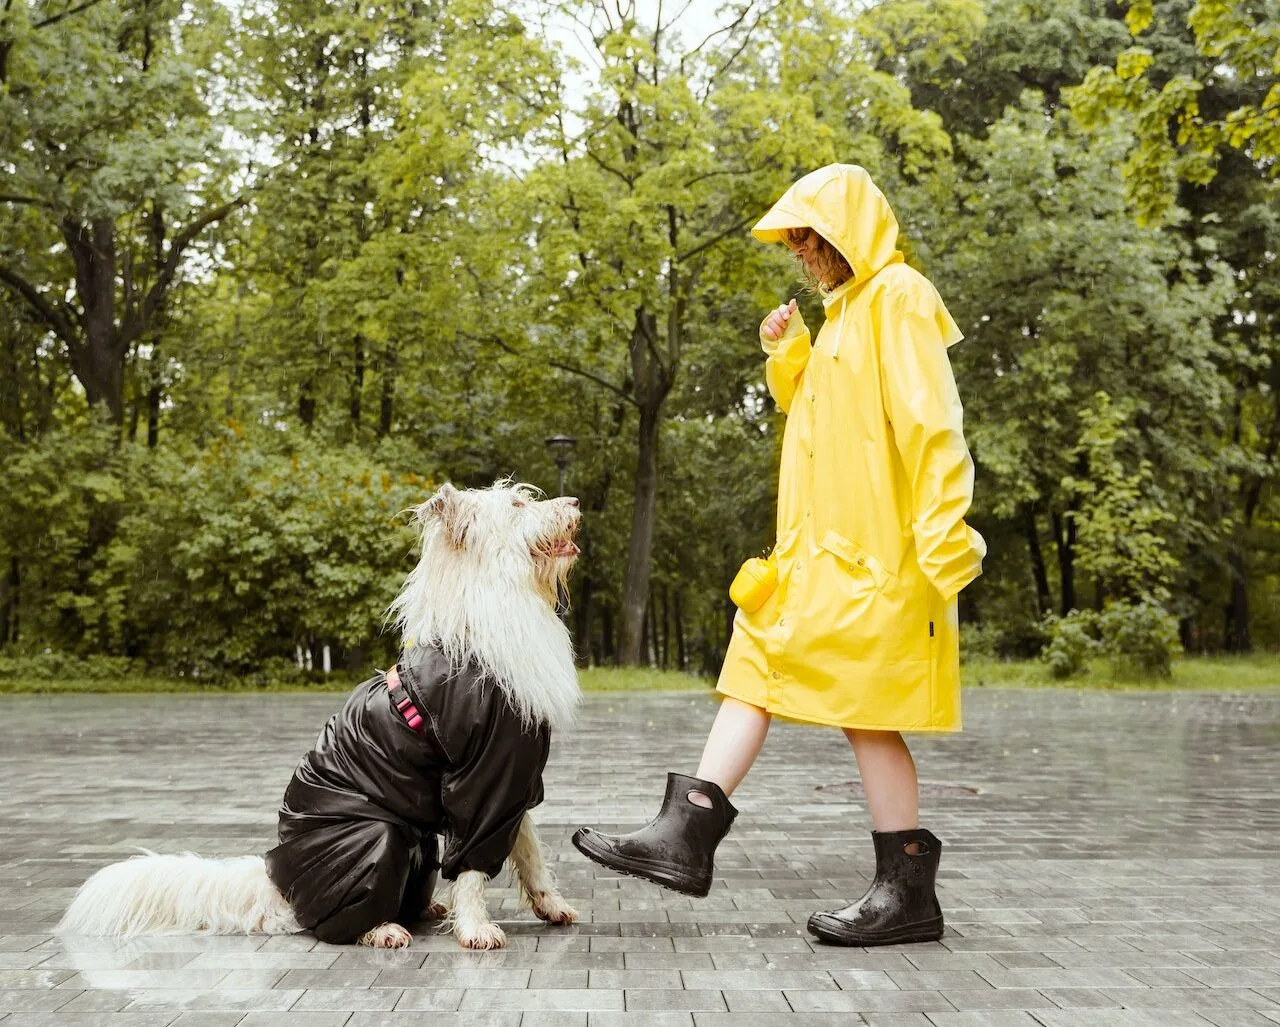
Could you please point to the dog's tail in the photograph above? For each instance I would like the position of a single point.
(184, 894)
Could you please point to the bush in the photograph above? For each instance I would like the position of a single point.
(214, 562)
(1139, 638)
(979, 640)
(996, 638)
(1071, 642)
(238, 555)
(1020, 639)
(50, 665)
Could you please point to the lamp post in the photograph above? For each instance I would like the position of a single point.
(561, 448)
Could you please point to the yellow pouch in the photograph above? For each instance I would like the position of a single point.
(754, 583)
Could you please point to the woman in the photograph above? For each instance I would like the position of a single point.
(860, 632)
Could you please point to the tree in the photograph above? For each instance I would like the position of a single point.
(664, 163)
(1187, 113)
(1200, 86)
(1062, 298)
(113, 171)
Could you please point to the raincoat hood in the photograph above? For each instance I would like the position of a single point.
(843, 205)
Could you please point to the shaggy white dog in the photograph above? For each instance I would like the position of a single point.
(481, 605)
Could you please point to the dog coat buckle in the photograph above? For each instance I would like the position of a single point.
(403, 701)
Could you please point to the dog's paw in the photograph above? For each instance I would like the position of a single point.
(386, 936)
(551, 907)
(435, 911)
(482, 936)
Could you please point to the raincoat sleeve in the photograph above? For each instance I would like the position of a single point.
(487, 792)
(924, 411)
(786, 360)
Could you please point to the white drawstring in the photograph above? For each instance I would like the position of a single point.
(835, 347)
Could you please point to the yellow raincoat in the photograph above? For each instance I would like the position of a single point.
(872, 546)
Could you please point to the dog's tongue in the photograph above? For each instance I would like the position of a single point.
(566, 548)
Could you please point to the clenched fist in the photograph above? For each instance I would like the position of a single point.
(776, 323)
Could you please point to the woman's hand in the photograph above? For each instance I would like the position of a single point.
(776, 323)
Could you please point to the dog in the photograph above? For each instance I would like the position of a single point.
(450, 742)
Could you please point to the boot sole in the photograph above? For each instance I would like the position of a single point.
(907, 934)
(661, 874)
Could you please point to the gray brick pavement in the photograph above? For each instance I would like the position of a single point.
(1116, 864)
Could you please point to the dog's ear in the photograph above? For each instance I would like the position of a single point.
(453, 510)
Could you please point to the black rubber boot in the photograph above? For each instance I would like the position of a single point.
(677, 848)
(901, 905)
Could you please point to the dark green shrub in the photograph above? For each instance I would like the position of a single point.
(1139, 638)
(1072, 641)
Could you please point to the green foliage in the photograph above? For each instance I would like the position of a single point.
(1186, 116)
(1139, 638)
(218, 560)
(64, 493)
(58, 665)
(1191, 673)
(439, 238)
(252, 549)
(1072, 641)
(978, 641)
(113, 167)
(1125, 518)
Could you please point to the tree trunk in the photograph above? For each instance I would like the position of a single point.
(154, 394)
(682, 660)
(385, 406)
(97, 345)
(307, 404)
(582, 617)
(635, 588)
(357, 381)
(10, 594)
(609, 651)
(153, 416)
(1064, 531)
(644, 639)
(99, 362)
(11, 389)
(1187, 634)
(666, 628)
(1038, 572)
(1236, 637)
(237, 347)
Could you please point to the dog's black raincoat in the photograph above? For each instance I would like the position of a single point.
(359, 818)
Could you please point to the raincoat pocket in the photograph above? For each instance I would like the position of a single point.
(856, 559)
(754, 583)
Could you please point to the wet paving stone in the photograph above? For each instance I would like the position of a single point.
(1110, 858)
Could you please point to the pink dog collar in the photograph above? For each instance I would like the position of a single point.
(402, 701)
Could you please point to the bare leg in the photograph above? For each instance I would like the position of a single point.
(888, 777)
(732, 746)
(676, 849)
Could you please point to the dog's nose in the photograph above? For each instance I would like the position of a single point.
(572, 501)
